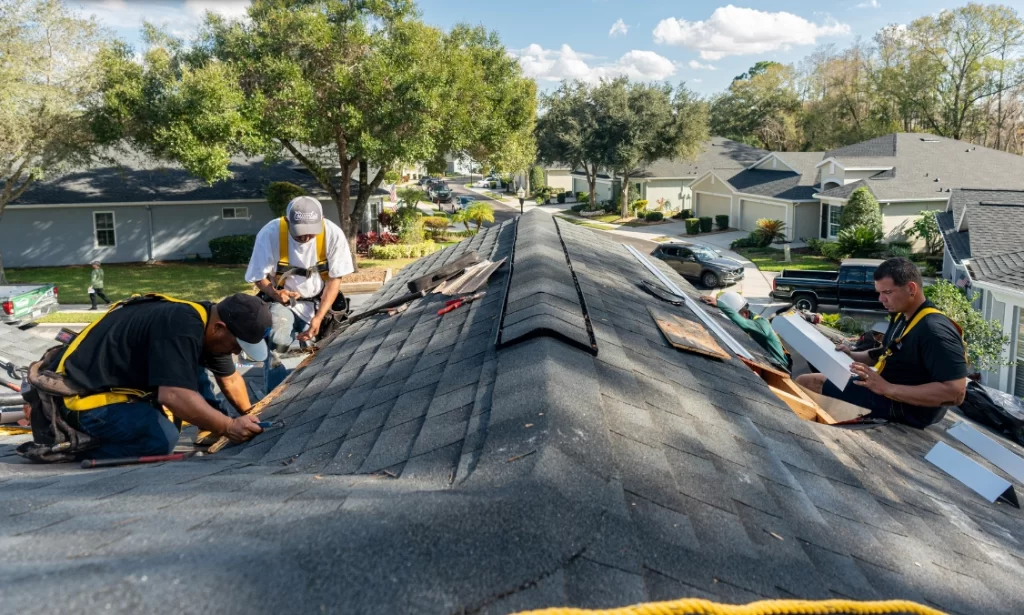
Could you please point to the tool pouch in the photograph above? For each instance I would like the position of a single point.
(334, 319)
(53, 439)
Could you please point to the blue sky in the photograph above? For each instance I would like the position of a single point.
(704, 43)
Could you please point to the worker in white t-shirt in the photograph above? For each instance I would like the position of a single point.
(301, 280)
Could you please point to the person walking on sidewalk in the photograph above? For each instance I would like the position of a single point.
(96, 285)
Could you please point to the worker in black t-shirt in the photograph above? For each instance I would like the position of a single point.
(151, 355)
(921, 365)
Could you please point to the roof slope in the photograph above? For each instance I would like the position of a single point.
(784, 185)
(422, 469)
(928, 167)
(136, 178)
(717, 153)
(958, 242)
(1003, 269)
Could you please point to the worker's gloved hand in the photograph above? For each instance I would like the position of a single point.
(312, 331)
(243, 428)
(843, 348)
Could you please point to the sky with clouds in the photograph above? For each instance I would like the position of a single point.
(702, 43)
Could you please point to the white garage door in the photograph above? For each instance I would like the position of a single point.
(752, 211)
(711, 205)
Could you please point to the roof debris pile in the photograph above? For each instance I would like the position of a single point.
(423, 469)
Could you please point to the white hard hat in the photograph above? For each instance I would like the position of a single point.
(732, 300)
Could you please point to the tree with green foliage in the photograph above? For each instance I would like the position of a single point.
(642, 123)
(761, 107)
(537, 181)
(478, 212)
(862, 209)
(342, 87)
(410, 196)
(926, 228)
(568, 133)
(984, 338)
(279, 194)
(48, 73)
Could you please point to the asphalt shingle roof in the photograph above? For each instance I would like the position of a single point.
(717, 153)
(1003, 269)
(422, 469)
(781, 184)
(135, 178)
(844, 191)
(929, 167)
(958, 242)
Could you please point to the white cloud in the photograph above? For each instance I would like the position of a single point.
(619, 28)
(869, 4)
(733, 31)
(694, 64)
(566, 63)
(697, 80)
(180, 18)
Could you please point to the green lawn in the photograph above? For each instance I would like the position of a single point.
(568, 213)
(587, 223)
(71, 317)
(768, 259)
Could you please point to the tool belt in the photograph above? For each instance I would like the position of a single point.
(53, 439)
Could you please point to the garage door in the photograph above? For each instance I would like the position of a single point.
(580, 185)
(712, 205)
(752, 211)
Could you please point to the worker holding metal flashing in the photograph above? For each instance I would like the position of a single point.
(921, 366)
(297, 264)
(125, 384)
(737, 309)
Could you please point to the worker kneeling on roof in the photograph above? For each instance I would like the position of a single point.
(921, 365)
(736, 308)
(297, 263)
(124, 385)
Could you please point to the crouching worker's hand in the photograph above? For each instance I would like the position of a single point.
(243, 428)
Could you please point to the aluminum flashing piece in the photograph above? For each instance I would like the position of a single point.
(997, 454)
(817, 349)
(980, 479)
(729, 340)
(543, 298)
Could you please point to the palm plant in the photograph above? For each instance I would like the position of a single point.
(479, 212)
(411, 196)
(460, 217)
(770, 230)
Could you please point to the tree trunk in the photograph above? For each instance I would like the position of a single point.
(592, 182)
(625, 197)
(345, 210)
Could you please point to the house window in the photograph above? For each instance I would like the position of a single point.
(834, 211)
(103, 229)
(235, 213)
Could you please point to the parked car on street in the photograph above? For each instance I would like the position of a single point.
(700, 262)
(851, 287)
(426, 180)
(21, 304)
(439, 192)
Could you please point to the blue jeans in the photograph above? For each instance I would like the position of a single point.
(135, 429)
(285, 326)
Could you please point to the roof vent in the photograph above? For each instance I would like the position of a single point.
(929, 139)
(936, 179)
(543, 298)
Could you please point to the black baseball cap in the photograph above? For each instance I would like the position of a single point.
(248, 319)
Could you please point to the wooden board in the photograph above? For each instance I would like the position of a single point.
(686, 334)
(835, 410)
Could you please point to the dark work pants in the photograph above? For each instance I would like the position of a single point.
(94, 293)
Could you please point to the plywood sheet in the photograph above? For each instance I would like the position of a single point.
(686, 334)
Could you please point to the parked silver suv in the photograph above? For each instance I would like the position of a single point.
(700, 262)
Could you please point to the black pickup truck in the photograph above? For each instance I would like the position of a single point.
(851, 288)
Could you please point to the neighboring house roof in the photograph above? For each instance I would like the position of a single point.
(414, 452)
(957, 242)
(1002, 269)
(928, 167)
(784, 185)
(139, 179)
(717, 153)
(844, 192)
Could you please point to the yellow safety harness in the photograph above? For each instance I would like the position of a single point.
(284, 260)
(698, 606)
(83, 403)
(880, 365)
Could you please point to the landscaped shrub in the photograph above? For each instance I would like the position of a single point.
(832, 251)
(436, 223)
(610, 207)
(722, 221)
(897, 250)
(582, 197)
(705, 224)
(386, 219)
(279, 194)
(692, 226)
(404, 250)
(814, 245)
(537, 178)
(845, 324)
(578, 207)
(752, 240)
(561, 198)
(654, 216)
(412, 233)
(365, 240)
(770, 230)
(861, 209)
(232, 249)
(638, 207)
(860, 241)
(686, 214)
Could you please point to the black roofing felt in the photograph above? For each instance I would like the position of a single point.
(421, 469)
(777, 184)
